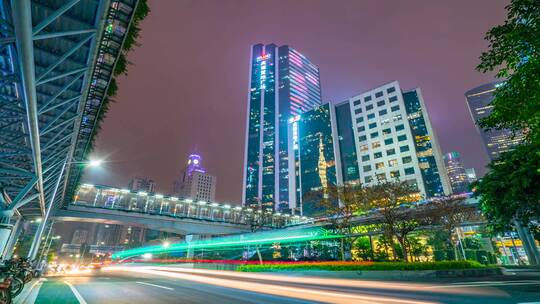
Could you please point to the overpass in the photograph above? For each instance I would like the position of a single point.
(57, 62)
(103, 204)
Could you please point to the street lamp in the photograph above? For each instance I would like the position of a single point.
(37, 239)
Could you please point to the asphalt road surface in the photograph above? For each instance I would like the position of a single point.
(161, 284)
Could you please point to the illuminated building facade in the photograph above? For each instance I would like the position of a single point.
(457, 174)
(194, 183)
(495, 141)
(283, 84)
(317, 165)
(347, 147)
(395, 141)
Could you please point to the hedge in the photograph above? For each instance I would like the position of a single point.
(357, 266)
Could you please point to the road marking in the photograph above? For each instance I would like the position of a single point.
(76, 293)
(158, 286)
(486, 284)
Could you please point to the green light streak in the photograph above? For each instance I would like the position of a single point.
(257, 238)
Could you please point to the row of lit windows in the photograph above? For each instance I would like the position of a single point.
(386, 131)
(393, 174)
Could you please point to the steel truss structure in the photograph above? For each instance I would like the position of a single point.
(56, 63)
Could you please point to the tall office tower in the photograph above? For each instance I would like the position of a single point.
(495, 141)
(195, 183)
(395, 140)
(316, 163)
(142, 184)
(456, 173)
(347, 147)
(471, 175)
(283, 83)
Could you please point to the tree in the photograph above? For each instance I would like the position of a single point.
(449, 213)
(256, 221)
(511, 189)
(514, 54)
(390, 200)
(340, 204)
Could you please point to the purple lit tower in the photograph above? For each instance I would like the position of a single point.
(195, 183)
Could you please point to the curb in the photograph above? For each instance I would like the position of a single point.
(29, 291)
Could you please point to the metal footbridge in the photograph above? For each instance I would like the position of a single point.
(57, 59)
(103, 204)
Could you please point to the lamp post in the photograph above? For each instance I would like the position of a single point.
(39, 233)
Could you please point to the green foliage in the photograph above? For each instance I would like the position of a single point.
(514, 54)
(511, 188)
(361, 266)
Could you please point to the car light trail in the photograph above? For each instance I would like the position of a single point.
(310, 294)
(258, 238)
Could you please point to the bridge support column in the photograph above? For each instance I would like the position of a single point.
(189, 239)
(5, 233)
(15, 231)
(528, 243)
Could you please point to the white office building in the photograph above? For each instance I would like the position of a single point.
(394, 140)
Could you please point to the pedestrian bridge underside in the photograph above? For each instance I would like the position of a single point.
(102, 204)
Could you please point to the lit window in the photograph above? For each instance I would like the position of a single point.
(379, 165)
(394, 174)
(364, 147)
(392, 163)
(376, 144)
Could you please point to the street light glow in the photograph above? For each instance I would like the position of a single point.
(95, 163)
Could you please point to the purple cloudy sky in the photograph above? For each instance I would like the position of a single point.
(187, 88)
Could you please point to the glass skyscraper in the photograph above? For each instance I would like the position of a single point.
(317, 165)
(283, 84)
(347, 147)
(425, 142)
(495, 141)
(459, 180)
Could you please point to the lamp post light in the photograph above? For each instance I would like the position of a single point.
(37, 238)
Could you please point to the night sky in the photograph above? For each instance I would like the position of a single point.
(187, 88)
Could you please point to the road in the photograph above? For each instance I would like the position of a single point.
(161, 284)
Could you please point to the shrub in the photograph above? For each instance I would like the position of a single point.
(358, 266)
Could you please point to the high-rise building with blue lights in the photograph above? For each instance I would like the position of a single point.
(316, 162)
(283, 84)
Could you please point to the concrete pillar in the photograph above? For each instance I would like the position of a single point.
(189, 239)
(528, 243)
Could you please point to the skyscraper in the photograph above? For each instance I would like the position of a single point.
(194, 182)
(456, 173)
(283, 83)
(316, 163)
(471, 175)
(395, 140)
(495, 141)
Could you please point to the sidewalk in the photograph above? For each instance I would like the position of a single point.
(46, 291)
